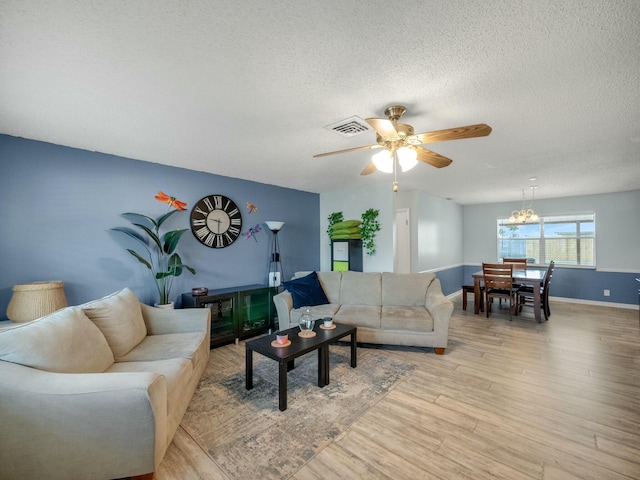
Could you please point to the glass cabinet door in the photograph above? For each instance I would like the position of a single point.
(222, 328)
(254, 311)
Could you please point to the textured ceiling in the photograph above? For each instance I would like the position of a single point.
(245, 88)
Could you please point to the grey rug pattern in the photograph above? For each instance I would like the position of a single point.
(246, 435)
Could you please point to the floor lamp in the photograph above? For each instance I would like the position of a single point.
(275, 263)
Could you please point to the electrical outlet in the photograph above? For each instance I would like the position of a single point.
(607, 292)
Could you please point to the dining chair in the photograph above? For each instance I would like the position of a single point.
(518, 263)
(498, 283)
(469, 289)
(525, 293)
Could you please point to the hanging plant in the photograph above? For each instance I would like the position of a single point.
(334, 218)
(369, 228)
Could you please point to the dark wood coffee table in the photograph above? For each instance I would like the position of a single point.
(299, 346)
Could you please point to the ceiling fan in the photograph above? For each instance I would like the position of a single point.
(401, 145)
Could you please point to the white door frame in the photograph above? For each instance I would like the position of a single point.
(402, 243)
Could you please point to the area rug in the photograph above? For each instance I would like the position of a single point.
(248, 437)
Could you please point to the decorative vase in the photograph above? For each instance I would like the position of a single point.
(306, 323)
(168, 306)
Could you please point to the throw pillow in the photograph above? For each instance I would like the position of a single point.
(345, 224)
(306, 291)
(64, 342)
(119, 318)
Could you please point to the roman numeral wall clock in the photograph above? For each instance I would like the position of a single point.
(216, 221)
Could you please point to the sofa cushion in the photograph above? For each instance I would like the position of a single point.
(359, 315)
(345, 224)
(407, 318)
(306, 291)
(359, 288)
(330, 282)
(119, 318)
(64, 342)
(405, 288)
(317, 312)
(167, 346)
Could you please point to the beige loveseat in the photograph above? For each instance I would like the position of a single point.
(97, 391)
(387, 308)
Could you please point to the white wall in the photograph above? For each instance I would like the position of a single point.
(440, 232)
(436, 226)
(353, 203)
(445, 234)
(436, 230)
(617, 227)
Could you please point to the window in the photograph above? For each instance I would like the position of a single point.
(566, 239)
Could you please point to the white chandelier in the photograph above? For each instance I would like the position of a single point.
(525, 215)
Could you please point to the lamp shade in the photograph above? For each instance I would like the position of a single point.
(408, 158)
(34, 300)
(383, 161)
(273, 225)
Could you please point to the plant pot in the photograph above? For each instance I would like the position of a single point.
(169, 306)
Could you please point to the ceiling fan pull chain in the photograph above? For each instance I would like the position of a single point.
(395, 171)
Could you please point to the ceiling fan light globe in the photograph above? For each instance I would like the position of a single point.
(383, 161)
(408, 158)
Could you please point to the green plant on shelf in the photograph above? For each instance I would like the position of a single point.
(369, 227)
(335, 217)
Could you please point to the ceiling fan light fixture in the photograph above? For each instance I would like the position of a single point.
(383, 161)
(408, 158)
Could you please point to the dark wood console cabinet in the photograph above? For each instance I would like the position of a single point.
(236, 312)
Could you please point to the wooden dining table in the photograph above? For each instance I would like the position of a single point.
(524, 277)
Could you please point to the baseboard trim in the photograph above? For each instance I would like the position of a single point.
(629, 306)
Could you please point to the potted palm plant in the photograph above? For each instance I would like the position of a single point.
(160, 256)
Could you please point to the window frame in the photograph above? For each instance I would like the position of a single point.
(568, 218)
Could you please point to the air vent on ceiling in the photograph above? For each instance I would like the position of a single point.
(350, 127)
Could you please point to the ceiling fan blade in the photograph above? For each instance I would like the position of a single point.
(383, 127)
(369, 169)
(432, 158)
(354, 149)
(458, 133)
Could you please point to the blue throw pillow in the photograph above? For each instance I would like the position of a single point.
(306, 291)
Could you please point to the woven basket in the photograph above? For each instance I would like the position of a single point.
(35, 300)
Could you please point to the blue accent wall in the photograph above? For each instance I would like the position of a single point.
(451, 279)
(60, 202)
(589, 284)
(583, 284)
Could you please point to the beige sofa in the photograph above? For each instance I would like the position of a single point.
(97, 391)
(387, 308)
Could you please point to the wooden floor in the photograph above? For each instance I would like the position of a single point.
(511, 400)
